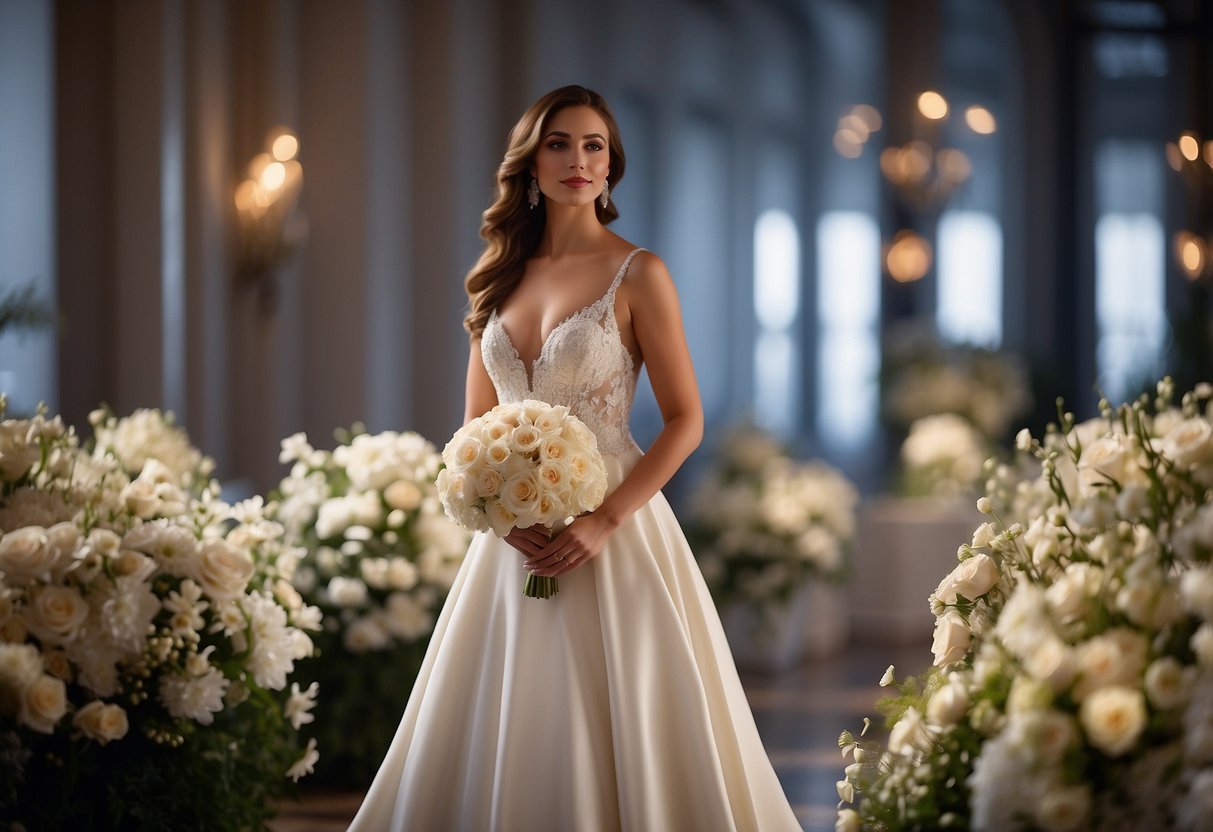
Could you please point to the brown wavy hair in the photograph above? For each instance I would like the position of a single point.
(510, 227)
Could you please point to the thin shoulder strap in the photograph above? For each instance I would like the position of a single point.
(623, 269)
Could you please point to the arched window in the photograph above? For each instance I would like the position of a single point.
(969, 302)
(776, 307)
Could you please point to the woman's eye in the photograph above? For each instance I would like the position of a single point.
(557, 145)
(594, 146)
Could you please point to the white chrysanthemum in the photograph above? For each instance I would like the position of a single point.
(149, 434)
(174, 547)
(39, 507)
(273, 649)
(194, 697)
(306, 764)
(186, 607)
(127, 612)
(299, 704)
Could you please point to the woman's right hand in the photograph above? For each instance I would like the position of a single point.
(528, 541)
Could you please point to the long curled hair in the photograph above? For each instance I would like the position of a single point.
(510, 227)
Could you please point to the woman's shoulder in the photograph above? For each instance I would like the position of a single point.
(645, 269)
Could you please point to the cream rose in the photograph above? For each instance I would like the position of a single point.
(951, 639)
(404, 495)
(1113, 718)
(463, 453)
(101, 721)
(488, 481)
(551, 421)
(57, 613)
(909, 734)
(972, 578)
(222, 571)
(501, 518)
(948, 705)
(44, 703)
(25, 554)
(1116, 657)
(1168, 683)
(1105, 459)
(1196, 592)
(525, 438)
(1190, 443)
(497, 430)
(520, 494)
(498, 453)
(1064, 808)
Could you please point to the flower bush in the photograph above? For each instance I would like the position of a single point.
(762, 523)
(381, 556)
(923, 375)
(1072, 685)
(943, 456)
(148, 631)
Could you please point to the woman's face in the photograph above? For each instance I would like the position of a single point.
(572, 161)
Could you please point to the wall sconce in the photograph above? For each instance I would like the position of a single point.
(270, 230)
(1194, 162)
(923, 173)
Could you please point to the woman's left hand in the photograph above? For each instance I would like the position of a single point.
(580, 541)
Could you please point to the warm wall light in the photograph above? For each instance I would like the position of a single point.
(1194, 160)
(908, 257)
(933, 105)
(266, 201)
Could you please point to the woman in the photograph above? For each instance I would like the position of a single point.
(616, 704)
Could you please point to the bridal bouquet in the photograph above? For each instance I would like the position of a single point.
(148, 632)
(522, 464)
(1072, 685)
(381, 556)
(762, 523)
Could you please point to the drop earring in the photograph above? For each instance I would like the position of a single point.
(606, 193)
(532, 194)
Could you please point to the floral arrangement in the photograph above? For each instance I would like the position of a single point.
(1072, 685)
(762, 523)
(520, 465)
(381, 556)
(148, 631)
(923, 375)
(943, 456)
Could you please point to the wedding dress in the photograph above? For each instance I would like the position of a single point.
(614, 705)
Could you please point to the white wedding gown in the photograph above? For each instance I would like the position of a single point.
(614, 705)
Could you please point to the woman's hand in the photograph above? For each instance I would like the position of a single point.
(580, 541)
(528, 541)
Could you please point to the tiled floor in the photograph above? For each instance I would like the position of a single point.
(799, 713)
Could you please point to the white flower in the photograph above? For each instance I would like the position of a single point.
(298, 708)
(1189, 443)
(346, 592)
(520, 495)
(405, 618)
(950, 703)
(295, 447)
(20, 667)
(1113, 718)
(1116, 657)
(1107, 459)
(984, 505)
(1168, 683)
(524, 439)
(1196, 592)
(102, 721)
(1052, 660)
(888, 678)
(1064, 808)
(909, 734)
(275, 644)
(401, 574)
(57, 613)
(1196, 807)
(194, 697)
(972, 578)
(222, 570)
(1202, 645)
(26, 554)
(365, 634)
(43, 704)
(129, 607)
(951, 639)
(306, 764)
(848, 821)
(403, 494)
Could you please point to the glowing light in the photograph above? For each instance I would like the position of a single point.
(245, 196)
(847, 145)
(273, 176)
(908, 257)
(257, 167)
(890, 163)
(1189, 147)
(1191, 252)
(916, 161)
(980, 120)
(285, 147)
(1209, 153)
(856, 125)
(933, 105)
(1173, 158)
(870, 116)
(953, 165)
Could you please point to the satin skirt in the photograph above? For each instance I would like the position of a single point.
(614, 705)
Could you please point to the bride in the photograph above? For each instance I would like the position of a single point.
(616, 704)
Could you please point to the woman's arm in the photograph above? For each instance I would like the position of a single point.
(657, 323)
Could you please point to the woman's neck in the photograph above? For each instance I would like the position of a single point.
(570, 230)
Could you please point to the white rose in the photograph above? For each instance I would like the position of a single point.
(43, 704)
(222, 571)
(951, 639)
(1116, 657)
(983, 534)
(463, 453)
(495, 430)
(488, 481)
(1068, 596)
(948, 705)
(498, 453)
(405, 618)
(1196, 592)
(848, 821)
(501, 518)
(1202, 645)
(57, 613)
(347, 592)
(401, 574)
(1168, 683)
(972, 578)
(552, 420)
(520, 494)
(1113, 718)
(1106, 459)
(403, 495)
(20, 667)
(554, 477)
(1052, 661)
(102, 721)
(909, 734)
(26, 554)
(1189, 444)
(64, 538)
(1047, 732)
(1064, 808)
(130, 563)
(525, 438)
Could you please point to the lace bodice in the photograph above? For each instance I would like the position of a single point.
(583, 365)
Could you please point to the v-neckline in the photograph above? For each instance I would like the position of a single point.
(529, 369)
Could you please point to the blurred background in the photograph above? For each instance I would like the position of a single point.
(1035, 208)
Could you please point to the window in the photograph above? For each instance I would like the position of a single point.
(969, 305)
(776, 306)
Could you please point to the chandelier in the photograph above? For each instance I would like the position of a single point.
(1194, 162)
